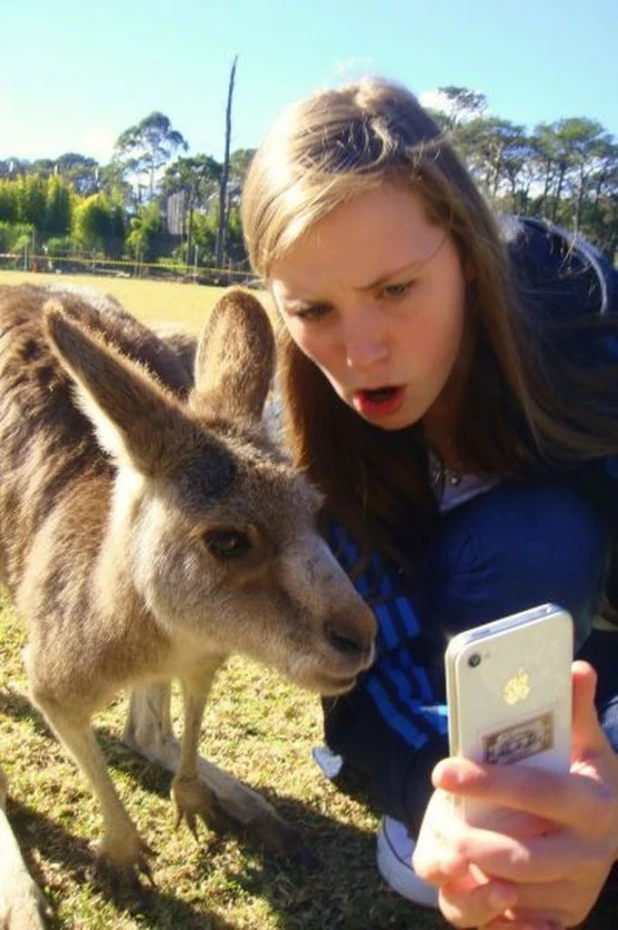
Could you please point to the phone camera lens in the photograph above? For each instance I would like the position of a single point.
(475, 660)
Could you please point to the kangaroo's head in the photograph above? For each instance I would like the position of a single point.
(215, 529)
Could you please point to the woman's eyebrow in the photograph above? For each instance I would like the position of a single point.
(298, 305)
(410, 267)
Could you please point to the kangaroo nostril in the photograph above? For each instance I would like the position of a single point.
(345, 641)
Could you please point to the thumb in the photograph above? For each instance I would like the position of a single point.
(588, 738)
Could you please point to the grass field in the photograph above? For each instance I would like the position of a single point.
(257, 727)
(153, 301)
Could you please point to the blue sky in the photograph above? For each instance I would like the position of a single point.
(74, 73)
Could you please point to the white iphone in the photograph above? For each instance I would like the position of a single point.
(509, 699)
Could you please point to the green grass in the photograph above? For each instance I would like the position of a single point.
(258, 728)
(152, 301)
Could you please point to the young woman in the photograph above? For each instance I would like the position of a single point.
(450, 386)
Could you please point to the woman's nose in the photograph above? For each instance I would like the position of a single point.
(365, 341)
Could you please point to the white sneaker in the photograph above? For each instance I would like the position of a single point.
(395, 848)
(330, 762)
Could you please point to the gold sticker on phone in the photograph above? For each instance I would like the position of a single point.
(517, 688)
(514, 743)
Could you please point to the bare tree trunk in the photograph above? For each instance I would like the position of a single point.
(546, 184)
(579, 199)
(221, 231)
(558, 194)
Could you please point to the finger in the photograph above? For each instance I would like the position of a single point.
(447, 845)
(553, 898)
(435, 858)
(440, 867)
(466, 904)
(569, 800)
(588, 737)
(538, 860)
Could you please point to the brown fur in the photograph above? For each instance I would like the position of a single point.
(151, 528)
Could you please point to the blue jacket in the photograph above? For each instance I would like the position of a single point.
(393, 725)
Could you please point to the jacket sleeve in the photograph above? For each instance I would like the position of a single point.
(565, 281)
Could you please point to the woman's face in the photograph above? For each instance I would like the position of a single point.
(374, 294)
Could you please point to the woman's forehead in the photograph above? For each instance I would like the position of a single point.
(373, 236)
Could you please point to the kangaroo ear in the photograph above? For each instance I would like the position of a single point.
(135, 418)
(235, 359)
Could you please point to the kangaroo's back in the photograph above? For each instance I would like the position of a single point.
(48, 446)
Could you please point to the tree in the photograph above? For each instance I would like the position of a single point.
(205, 236)
(9, 202)
(602, 219)
(240, 159)
(586, 142)
(568, 149)
(488, 144)
(80, 171)
(453, 106)
(145, 230)
(57, 219)
(226, 169)
(111, 179)
(197, 179)
(144, 149)
(520, 177)
(43, 167)
(11, 168)
(33, 197)
(93, 223)
(198, 175)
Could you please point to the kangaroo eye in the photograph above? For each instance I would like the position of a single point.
(226, 545)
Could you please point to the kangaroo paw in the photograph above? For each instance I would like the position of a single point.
(193, 799)
(120, 874)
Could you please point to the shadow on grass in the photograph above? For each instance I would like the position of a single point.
(16, 705)
(342, 892)
(157, 909)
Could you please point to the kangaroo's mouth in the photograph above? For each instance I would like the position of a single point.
(334, 686)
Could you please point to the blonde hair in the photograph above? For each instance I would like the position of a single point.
(336, 145)
(323, 151)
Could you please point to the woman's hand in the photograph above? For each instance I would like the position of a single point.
(547, 868)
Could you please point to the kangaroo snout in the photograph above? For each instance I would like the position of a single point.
(352, 636)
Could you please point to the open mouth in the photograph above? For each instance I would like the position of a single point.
(378, 401)
(380, 395)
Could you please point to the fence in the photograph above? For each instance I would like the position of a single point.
(124, 268)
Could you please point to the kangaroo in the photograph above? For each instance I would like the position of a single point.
(149, 527)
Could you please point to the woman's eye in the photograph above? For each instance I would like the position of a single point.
(313, 313)
(226, 545)
(396, 290)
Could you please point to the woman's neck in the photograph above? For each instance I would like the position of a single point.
(439, 428)
(444, 445)
(441, 420)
